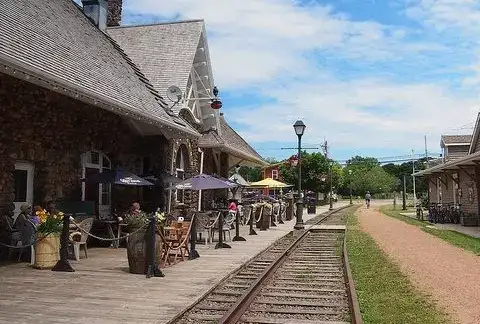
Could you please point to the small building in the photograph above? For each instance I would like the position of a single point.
(454, 181)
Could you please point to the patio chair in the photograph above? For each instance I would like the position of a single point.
(228, 225)
(21, 234)
(79, 238)
(204, 227)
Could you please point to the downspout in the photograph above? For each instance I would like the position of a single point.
(201, 171)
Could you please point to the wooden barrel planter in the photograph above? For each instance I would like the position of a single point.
(47, 251)
(137, 252)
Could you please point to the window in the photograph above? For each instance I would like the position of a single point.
(20, 178)
(96, 162)
(274, 174)
(180, 171)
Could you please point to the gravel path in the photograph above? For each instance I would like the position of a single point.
(447, 273)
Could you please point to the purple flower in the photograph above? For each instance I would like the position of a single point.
(36, 220)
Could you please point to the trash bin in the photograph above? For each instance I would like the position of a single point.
(311, 205)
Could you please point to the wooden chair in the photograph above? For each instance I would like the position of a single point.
(79, 238)
(176, 241)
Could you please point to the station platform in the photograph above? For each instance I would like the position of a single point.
(102, 291)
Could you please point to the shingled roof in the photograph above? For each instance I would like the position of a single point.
(54, 42)
(165, 52)
(229, 141)
(456, 139)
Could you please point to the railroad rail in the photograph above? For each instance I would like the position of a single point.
(303, 278)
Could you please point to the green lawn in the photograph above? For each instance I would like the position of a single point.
(385, 295)
(455, 238)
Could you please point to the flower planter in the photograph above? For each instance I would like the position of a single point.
(47, 251)
(137, 252)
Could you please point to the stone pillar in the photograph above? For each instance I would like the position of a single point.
(114, 13)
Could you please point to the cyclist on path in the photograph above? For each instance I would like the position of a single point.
(368, 197)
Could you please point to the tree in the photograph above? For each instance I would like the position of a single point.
(251, 174)
(365, 174)
(399, 170)
(315, 173)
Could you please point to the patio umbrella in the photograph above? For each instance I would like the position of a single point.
(269, 183)
(164, 178)
(237, 178)
(118, 177)
(203, 182)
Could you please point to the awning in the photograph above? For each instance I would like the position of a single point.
(466, 161)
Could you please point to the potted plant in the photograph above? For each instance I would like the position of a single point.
(137, 223)
(47, 246)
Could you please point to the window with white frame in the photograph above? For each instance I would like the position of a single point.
(180, 171)
(274, 174)
(96, 162)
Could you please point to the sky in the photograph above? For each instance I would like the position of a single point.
(372, 77)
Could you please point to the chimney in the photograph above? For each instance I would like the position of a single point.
(96, 11)
(114, 13)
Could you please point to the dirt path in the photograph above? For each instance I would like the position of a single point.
(447, 273)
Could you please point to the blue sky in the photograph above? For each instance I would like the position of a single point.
(371, 76)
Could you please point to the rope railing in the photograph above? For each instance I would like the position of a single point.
(109, 239)
(35, 240)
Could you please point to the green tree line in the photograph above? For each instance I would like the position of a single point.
(359, 174)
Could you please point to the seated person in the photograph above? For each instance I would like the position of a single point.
(232, 207)
(134, 210)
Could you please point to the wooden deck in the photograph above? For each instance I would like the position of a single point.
(102, 291)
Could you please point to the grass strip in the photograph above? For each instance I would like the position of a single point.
(385, 294)
(460, 240)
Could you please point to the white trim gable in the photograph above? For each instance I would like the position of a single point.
(199, 88)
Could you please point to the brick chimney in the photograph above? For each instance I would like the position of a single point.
(114, 13)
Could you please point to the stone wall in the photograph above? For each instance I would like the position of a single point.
(432, 185)
(52, 131)
(447, 190)
(469, 198)
(192, 166)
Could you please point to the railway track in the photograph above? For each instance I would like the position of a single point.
(301, 279)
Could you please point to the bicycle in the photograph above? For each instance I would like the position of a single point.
(367, 202)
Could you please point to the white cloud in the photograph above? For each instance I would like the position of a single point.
(253, 41)
(368, 113)
(273, 46)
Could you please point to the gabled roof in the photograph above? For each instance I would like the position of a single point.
(447, 140)
(230, 142)
(165, 52)
(475, 137)
(55, 45)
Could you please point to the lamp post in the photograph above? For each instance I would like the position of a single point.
(350, 174)
(299, 127)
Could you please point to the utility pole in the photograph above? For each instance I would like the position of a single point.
(426, 152)
(325, 147)
(404, 193)
(413, 178)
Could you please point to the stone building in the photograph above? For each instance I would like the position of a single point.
(74, 100)
(456, 179)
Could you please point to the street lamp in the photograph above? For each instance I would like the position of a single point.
(350, 176)
(299, 127)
